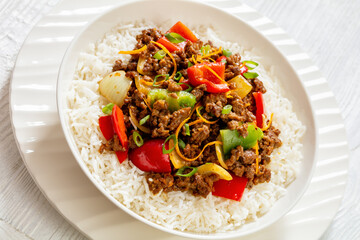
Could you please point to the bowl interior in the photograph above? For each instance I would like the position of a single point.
(232, 29)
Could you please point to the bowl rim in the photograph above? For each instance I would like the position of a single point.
(74, 150)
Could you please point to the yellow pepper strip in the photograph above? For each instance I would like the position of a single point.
(220, 153)
(134, 51)
(136, 123)
(209, 168)
(213, 72)
(177, 143)
(201, 117)
(170, 55)
(174, 157)
(269, 124)
(256, 147)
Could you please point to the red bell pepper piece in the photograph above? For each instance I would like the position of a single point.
(106, 127)
(172, 47)
(150, 158)
(221, 59)
(119, 125)
(199, 74)
(184, 31)
(259, 100)
(181, 29)
(122, 155)
(232, 189)
(243, 69)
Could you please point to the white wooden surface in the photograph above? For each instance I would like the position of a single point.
(329, 30)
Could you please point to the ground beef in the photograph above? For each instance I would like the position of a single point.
(198, 91)
(270, 141)
(178, 116)
(199, 133)
(197, 185)
(147, 36)
(214, 103)
(258, 86)
(239, 126)
(113, 145)
(173, 86)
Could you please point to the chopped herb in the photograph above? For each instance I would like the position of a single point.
(250, 64)
(144, 119)
(157, 76)
(108, 108)
(187, 129)
(226, 52)
(205, 50)
(226, 109)
(250, 75)
(189, 89)
(177, 76)
(181, 144)
(190, 64)
(160, 54)
(181, 170)
(167, 151)
(174, 37)
(138, 139)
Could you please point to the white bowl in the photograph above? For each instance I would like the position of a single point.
(231, 29)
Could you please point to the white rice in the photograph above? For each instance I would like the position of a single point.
(127, 184)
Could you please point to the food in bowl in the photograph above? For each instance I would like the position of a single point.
(199, 120)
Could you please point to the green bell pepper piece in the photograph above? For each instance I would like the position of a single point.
(184, 99)
(231, 138)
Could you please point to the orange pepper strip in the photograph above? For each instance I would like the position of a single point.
(134, 51)
(207, 121)
(269, 124)
(170, 55)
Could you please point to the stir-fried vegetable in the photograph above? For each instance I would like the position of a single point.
(150, 158)
(209, 168)
(232, 189)
(243, 87)
(226, 52)
(184, 99)
(119, 125)
(115, 87)
(250, 64)
(226, 109)
(108, 108)
(136, 123)
(250, 75)
(138, 139)
(210, 74)
(176, 160)
(259, 100)
(114, 124)
(160, 54)
(165, 151)
(181, 170)
(231, 138)
(220, 153)
(106, 128)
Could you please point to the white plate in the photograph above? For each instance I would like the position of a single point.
(231, 29)
(49, 160)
